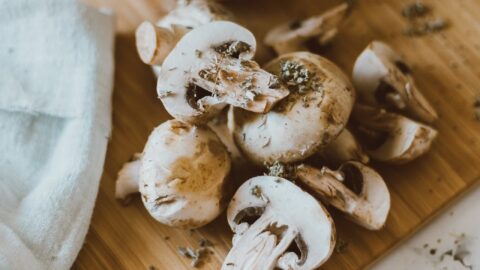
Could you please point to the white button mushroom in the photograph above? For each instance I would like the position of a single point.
(390, 137)
(182, 174)
(383, 79)
(292, 36)
(209, 68)
(286, 217)
(311, 117)
(342, 149)
(354, 189)
(155, 41)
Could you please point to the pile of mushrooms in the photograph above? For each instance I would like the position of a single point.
(297, 119)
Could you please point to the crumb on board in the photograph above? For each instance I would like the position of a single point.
(196, 256)
(421, 20)
(341, 246)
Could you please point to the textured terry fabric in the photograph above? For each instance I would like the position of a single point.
(56, 72)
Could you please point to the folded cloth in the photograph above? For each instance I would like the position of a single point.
(56, 73)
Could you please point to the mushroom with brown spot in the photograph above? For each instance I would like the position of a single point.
(182, 174)
(314, 114)
(210, 68)
(277, 226)
(390, 137)
(355, 189)
(382, 78)
(293, 36)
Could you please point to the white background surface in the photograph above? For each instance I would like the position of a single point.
(456, 229)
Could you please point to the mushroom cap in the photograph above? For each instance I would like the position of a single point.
(183, 172)
(193, 14)
(355, 189)
(398, 138)
(303, 122)
(382, 78)
(286, 215)
(290, 36)
(344, 148)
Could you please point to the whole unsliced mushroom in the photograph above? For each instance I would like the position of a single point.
(183, 170)
(209, 68)
(355, 189)
(383, 79)
(293, 36)
(342, 149)
(390, 137)
(155, 41)
(285, 217)
(312, 116)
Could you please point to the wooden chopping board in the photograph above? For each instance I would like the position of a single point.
(446, 67)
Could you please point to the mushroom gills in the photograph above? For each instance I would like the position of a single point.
(240, 83)
(383, 79)
(216, 58)
(315, 31)
(274, 230)
(355, 189)
(390, 137)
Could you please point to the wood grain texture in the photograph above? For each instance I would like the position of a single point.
(445, 66)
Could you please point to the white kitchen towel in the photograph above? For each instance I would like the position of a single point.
(56, 73)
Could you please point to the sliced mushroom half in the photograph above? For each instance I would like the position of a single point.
(390, 137)
(313, 115)
(383, 79)
(355, 189)
(293, 36)
(209, 68)
(277, 226)
(183, 172)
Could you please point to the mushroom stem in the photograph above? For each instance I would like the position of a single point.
(293, 36)
(254, 248)
(262, 245)
(331, 21)
(328, 186)
(154, 43)
(128, 178)
(240, 83)
(409, 98)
